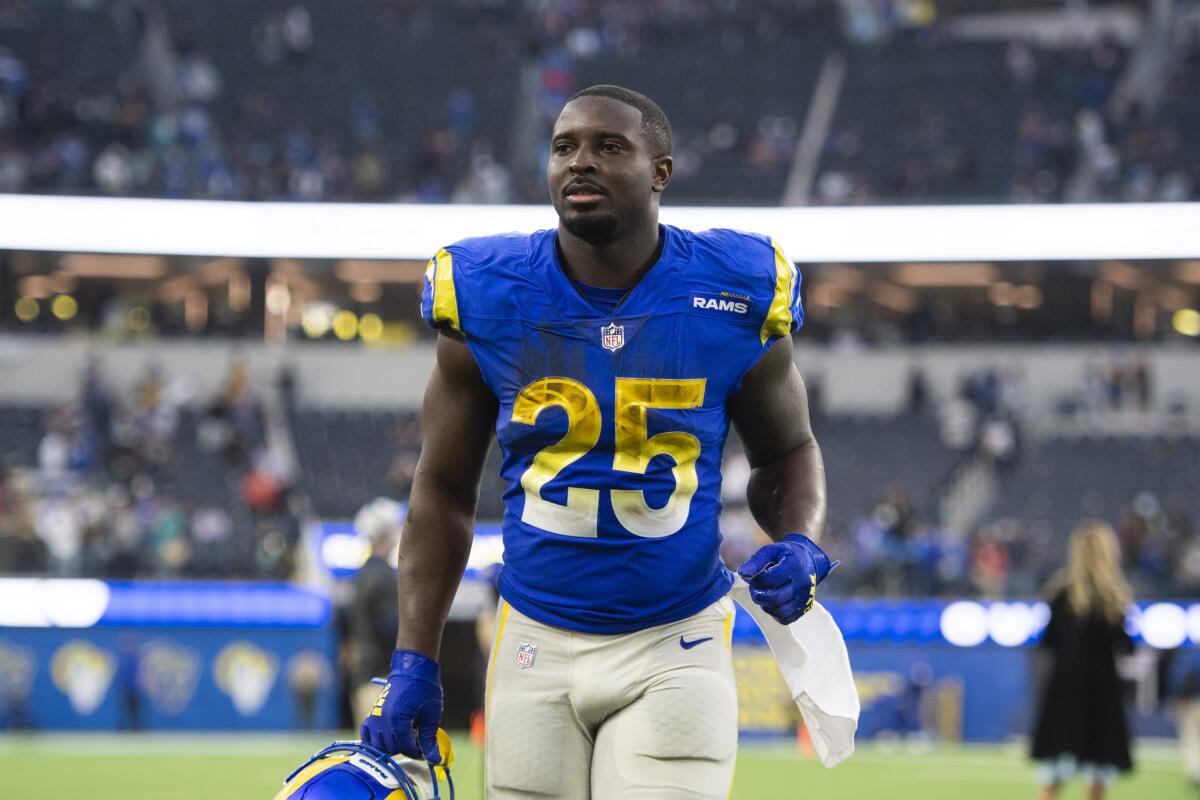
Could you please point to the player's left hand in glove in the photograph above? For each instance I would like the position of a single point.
(783, 576)
(410, 701)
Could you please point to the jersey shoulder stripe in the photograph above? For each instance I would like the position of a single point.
(785, 314)
(464, 278)
(439, 297)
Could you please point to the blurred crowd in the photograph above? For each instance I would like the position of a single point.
(137, 484)
(1124, 383)
(1140, 155)
(894, 550)
(893, 545)
(154, 481)
(163, 113)
(1051, 108)
(170, 123)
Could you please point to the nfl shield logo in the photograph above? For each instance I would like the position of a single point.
(612, 337)
(525, 654)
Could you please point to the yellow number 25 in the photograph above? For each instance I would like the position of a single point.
(633, 453)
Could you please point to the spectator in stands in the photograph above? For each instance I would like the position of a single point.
(918, 391)
(998, 441)
(231, 423)
(957, 418)
(487, 183)
(60, 525)
(21, 550)
(144, 427)
(989, 561)
(1081, 727)
(54, 451)
(885, 555)
(262, 489)
(211, 532)
(121, 537)
(97, 405)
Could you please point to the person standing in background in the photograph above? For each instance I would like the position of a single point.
(1182, 682)
(1081, 726)
(373, 615)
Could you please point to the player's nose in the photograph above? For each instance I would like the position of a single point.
(583, 161)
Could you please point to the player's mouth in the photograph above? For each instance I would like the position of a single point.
(583, 193)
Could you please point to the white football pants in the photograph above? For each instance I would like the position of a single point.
(650, 714)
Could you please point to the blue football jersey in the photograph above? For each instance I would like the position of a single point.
(611, 425)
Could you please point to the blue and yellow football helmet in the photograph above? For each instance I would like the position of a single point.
(357, 771)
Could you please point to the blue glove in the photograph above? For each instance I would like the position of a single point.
(783, 576)
(411, 698)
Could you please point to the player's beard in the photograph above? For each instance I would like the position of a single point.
(597, 230)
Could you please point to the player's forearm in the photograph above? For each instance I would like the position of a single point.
(787, 495)
(433, 555)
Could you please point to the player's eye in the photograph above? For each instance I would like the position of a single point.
(562, 148)
(611, 147)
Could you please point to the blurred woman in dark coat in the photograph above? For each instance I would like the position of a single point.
(1081, 726)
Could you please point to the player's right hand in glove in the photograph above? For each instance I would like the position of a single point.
(410, 702)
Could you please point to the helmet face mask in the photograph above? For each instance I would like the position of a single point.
(356, 771)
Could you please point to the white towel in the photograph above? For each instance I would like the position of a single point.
(812, 657)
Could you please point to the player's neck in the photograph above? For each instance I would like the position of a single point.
(616, 265)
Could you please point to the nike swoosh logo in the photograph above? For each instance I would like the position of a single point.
(686, 645)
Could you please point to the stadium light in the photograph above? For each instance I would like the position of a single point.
(1186, 321)
(345, 325)
(1164, 626)
(1011, 624)
(64, 307)
(370, 328)
(317, 318)
(411, 231)
(279, 298)
(137, 319)
(965, 623)
(344, 551)
(1193, 623)
(52, 603)
(26, 309)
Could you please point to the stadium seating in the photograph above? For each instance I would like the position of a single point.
(20, 432)
(1144, 486)
(91, 84)
(735, 118)
(185, 478)
(1181, 114)
(346, 455)
(400, 68)
(919, 117)
(926, 119)
(865, 455)
(1060, 481)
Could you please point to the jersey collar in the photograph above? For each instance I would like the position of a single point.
(641, 300)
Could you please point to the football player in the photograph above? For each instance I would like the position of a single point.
(609, 357)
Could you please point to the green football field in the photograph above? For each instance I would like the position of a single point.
(236, 766)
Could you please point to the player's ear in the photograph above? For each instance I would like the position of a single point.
(661, 167)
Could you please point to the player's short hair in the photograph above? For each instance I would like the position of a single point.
(655, 125)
